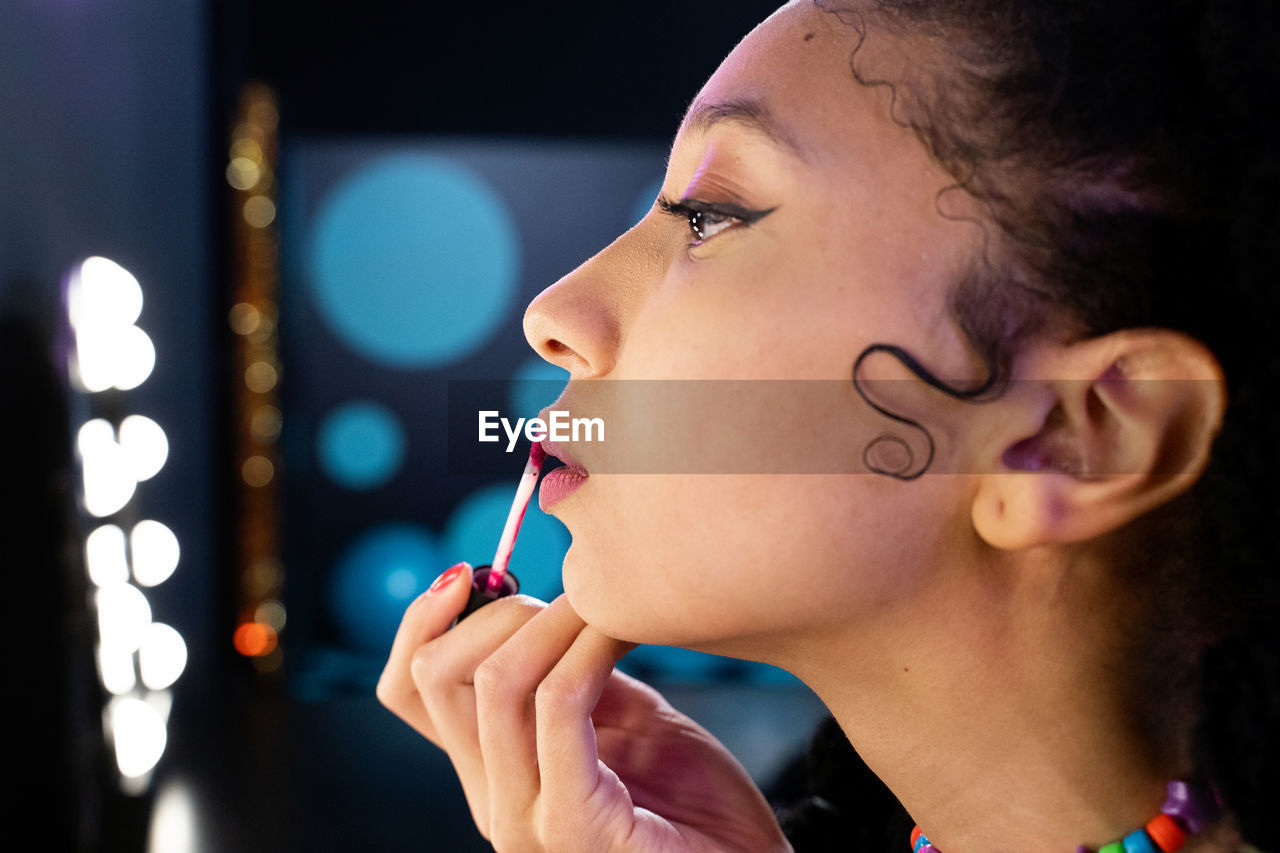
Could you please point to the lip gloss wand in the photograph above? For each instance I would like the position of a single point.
(491, 582)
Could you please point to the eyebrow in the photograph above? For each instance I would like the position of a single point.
(751, 114)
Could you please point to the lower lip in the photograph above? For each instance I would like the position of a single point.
(558, 485)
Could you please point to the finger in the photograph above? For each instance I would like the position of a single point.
(444, 672)
(429, 616)
(505, 688)
(568, 754)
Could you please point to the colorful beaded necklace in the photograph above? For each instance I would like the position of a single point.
(1185, 812)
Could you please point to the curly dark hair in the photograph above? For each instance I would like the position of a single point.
(1128, 154)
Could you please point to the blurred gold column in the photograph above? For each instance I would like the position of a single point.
(251, 171)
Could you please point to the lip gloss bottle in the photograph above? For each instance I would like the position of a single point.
(492, 581)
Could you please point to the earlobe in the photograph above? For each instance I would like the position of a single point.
(1128, 426)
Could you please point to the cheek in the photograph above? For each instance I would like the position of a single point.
(698, 561)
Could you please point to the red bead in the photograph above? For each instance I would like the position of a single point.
(1166, 833)
(915, 836)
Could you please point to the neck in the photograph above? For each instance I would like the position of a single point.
(996, 713)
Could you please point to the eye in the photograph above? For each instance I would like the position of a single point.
(706, 219)
(706, 224)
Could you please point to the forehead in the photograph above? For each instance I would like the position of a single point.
(791, 74)
(791, 82)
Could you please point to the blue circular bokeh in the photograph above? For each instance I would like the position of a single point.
(414, 261)
(671, 664)
(376, 577)
(644, 202)
(476, 525)
(535, 385)
(361, 444)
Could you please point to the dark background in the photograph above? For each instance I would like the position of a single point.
(114, 116)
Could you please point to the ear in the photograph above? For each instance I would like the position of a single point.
(1096, 433)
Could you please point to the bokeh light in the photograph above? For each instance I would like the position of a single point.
(272, 614)
(266, 422)
(260, 377)
(105, 557)
(145, 446)
(131, 358)
(535, 385)
(155, 552)
(376, 577)
(253, 639)
(115, 668)
(108, 475)
(103, 301)
(138, 731)
(123, 616)
(672, 664)
(259, 211)
(175, 827)
(257, 471)
(162, 656)
(361, 444)
(644, 201)
(414, 261)
(476, 524)
(244, 318)
(104, 294)
(243, 173)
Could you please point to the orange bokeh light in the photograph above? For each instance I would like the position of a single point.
(253, 639)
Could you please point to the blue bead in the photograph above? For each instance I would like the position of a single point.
(1139, 842)
(920, 842)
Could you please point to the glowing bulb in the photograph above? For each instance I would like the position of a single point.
(105, 557)
(244, 318)
(175, 826)
(265, 423)
(272, 614)
(259, 211)
(162, 656)
(133, 358)
(103, 294)
(253, 639)
(139, 734)
(145, 445)
(243, 173)
(108, 478)
(115, 666)
(123, 616)
(103, 302)
(155, 552)
(95, 365)
(257, 471)
(260, 377)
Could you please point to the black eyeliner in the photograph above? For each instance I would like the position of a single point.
(687, 207)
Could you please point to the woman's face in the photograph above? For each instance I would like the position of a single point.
(820, 235)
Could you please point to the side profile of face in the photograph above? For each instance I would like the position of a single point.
(798, 224)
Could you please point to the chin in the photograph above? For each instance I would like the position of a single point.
(602, 601)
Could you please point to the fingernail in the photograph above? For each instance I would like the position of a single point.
(447, 578)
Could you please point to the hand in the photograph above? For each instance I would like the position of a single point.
(556, 750)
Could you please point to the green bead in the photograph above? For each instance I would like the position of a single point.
(1113, 847)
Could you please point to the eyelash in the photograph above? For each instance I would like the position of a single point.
(697, 213)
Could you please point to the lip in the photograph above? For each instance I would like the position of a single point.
(557, 450)
(559, 484)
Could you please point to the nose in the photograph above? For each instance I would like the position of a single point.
(578, 323)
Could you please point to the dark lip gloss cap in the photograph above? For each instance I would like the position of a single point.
(480, 594)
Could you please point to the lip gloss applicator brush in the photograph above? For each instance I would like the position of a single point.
(493, 581)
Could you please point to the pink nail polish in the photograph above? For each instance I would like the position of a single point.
(447, 578)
